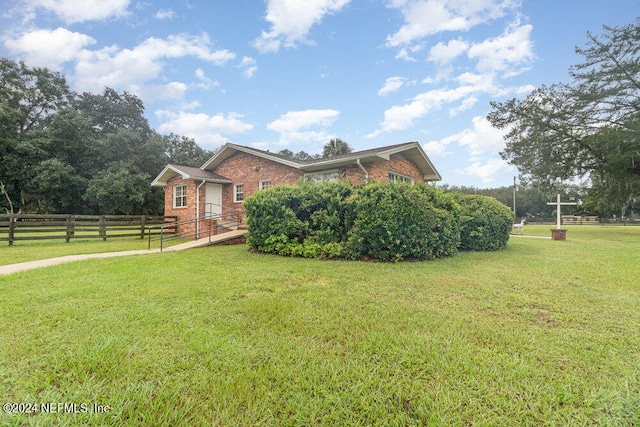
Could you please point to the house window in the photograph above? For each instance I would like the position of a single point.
(179, 196)
(265, 184)
(320, 177)
(238, 193)
(396, 177)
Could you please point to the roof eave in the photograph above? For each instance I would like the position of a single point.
(171, 171)
(230, 149)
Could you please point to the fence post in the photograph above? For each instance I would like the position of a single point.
(12, 227)
(142, 223)
(103, 228)
(70, 228)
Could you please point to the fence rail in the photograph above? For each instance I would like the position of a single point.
(16, 227)
(579, 221)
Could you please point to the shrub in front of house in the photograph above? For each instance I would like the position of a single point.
(272, 220)
(389, 222)
(303, 220)
(393, 222)
(485, 223)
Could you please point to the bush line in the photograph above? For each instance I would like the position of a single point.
(381, 221)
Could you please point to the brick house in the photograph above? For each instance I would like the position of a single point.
(236, 172)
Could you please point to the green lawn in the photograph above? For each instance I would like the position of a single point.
(542, 333)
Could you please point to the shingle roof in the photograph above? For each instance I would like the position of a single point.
(410, 150)
(187, 172)
(197, 172)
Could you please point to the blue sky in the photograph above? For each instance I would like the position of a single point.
(293, 74)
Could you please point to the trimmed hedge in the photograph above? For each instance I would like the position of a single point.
(393, 222)
(485, 223)
(389, 222)
(302, 220)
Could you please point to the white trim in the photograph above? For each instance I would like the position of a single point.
(174, 196)
(262, 182)
(309, 177)
(401, 178)
(171, 171)
(235, 193)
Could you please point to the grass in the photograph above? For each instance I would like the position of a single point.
(542, 333)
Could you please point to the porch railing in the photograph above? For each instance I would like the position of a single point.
(197, 228)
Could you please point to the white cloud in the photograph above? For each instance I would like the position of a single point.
(437, 148)
(427, 17)
(296, 120)
(160, 92)
(205, 82)
(130, 68)
(250, 67)
(404, 55)
(46, 48)
(205, 129)
(71, 11)
(482, 138)
(486, 171)
(291, 21)
(400, 117)
(499, 57)
(406, 52)
(513, 48)
(293, 126)
(444, 54)
(465, 105)
(392, 84)
(164, 14)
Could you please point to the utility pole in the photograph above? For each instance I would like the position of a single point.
(514, 196)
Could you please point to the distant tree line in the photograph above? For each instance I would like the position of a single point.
(64, 152)
(530, 201)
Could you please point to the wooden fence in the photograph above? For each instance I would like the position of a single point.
(44, 227)
(580, 221)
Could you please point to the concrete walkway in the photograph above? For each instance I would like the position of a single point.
(30, 265)
(530, 237)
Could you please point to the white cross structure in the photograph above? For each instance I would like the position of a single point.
(557, 204)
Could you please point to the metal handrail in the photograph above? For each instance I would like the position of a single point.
(232, 214)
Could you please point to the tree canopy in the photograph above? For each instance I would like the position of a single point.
(334, 147)
(80, 153)
(589, 127)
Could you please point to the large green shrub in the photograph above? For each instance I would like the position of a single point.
(305, 220)
(272, 220)
(397, 221)
(485, 223)
(389, 222)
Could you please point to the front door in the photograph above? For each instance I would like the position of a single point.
(213, 203)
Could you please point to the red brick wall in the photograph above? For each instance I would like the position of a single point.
(380, 171)
(396, 164)
(249, 170)
(188, 212)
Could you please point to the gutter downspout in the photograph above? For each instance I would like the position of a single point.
(366, 174)
(198, 209)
